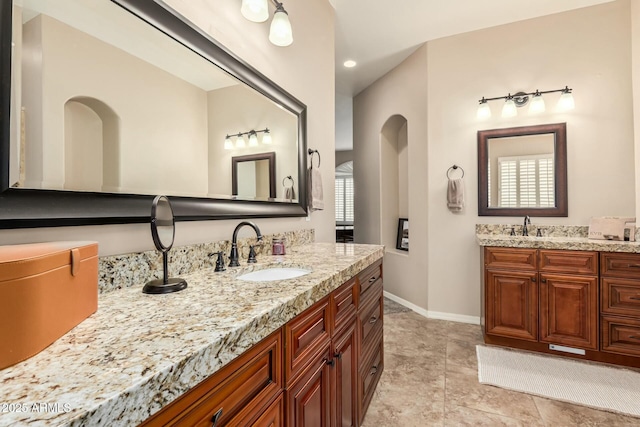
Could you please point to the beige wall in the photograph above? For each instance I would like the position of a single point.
(343, 156)
(635, 67)
(305, 69)
(587, 49)
(405, 273)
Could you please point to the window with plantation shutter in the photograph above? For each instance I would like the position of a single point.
(526, 181)
(344, 194)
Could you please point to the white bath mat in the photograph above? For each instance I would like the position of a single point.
(589, 384)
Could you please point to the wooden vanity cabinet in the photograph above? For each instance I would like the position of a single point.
(237, 395)
(318, 370)
(543, 296)
(324, 388)
(511, 293)
(569, 298)
(620, 303)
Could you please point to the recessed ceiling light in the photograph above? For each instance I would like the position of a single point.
(350, 63)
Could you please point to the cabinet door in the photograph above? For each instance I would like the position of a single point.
(512, 304)
(568, 310)
(309, 397)
(346, 377)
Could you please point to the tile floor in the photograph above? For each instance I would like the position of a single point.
(430, 379)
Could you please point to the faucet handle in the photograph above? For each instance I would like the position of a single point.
(252, 255)
(539, 233)
(220, 262)
(513, 231)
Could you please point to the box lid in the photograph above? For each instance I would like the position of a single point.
(18, 261)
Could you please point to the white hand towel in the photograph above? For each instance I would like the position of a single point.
(455, 195)
(314, 190)
(289, 193)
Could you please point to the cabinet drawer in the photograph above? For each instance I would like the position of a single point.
(620, 296)
(511, 258)
(244, 386)
(304, 336)
(620, 335)
(569, 262)
(620, 265)
(369, 376)
(370, 321)
(273, 416)
(368, 278)
(344, 303)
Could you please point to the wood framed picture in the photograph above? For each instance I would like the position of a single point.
(402, 242)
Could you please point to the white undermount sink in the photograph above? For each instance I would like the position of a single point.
(273, 274)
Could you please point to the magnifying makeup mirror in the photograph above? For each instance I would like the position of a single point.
(163, 231)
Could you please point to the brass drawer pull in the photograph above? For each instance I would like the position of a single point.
(373, 320)
(633, 265)
(374, 370)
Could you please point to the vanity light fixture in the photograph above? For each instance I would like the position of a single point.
(280, 33)
(255, 10)
(520, 99)
(253, 139)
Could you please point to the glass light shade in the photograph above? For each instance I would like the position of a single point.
(566, 102)
(240, 143)
(266, 138)
(280, 33)
(253, 140)
(484, 111)
(228, 144)
(509, 109)
(537, 105)
(255, 10)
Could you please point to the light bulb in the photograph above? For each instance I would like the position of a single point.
(484, 111)
(228, 143)
(280, 33)
(509, 108)
(566, 101)
(240, 143)
(253, 139)
(537, 104)
(266, 138)
(255, 10)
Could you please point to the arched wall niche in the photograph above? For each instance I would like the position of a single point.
(394, 159)
(91, 145)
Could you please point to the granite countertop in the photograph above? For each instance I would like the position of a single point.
(139, 352)
(573, 243)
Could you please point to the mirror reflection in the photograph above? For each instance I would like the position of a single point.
(520, 171)
(523, 171)
(164, 223)
(253, 176)
(110, 104)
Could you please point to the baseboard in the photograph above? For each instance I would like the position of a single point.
(461, 318)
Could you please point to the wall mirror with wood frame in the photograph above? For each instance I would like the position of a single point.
(254, 176)
(105, 106)
(523, 171)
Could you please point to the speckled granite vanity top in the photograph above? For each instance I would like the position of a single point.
(553, 237)
(139, 352)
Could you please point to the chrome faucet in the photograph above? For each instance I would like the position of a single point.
(525, 231)
(233, 257)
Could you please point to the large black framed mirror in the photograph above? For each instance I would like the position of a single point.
(523, 171)
(47, 202)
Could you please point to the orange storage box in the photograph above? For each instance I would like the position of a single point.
(45, 290)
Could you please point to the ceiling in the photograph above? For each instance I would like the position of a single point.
(379, 35)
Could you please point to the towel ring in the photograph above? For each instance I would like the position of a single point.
(286, 178)
(311, 152)
(454, 167)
